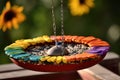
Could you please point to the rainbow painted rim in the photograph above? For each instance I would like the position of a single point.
(94, 55)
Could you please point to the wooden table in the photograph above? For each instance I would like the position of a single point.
(97, 72)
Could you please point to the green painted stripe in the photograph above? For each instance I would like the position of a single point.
(13, 51)
(7, 48)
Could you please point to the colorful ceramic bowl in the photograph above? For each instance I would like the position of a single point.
(31, 53)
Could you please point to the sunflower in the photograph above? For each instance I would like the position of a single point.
(11, 17)
(80, 7)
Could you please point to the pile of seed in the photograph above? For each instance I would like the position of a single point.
(76, 48)
(42, 49)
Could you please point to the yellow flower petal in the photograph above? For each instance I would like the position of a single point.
(15, 24)
(11, 16)
(1, 21)
(20, 9)
(77, 8)
(8, 5)
(4, 28)
(9, 25)
(90, 3)
(20, 17)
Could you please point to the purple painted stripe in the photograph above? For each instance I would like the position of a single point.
(99, 50)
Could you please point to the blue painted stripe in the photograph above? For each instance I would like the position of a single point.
(34, 58)
(21, 56)
(26, 59)
(19, 53)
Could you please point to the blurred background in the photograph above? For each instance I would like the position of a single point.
(103, 21)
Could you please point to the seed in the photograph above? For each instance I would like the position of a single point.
(41, 49)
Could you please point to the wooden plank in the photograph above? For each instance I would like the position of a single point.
(103, 73)
(21, 73)
(86, 75)
(96, 72)
(9, 67)
(110, 59)
(12, 71)
(111, 55)
(112, 64)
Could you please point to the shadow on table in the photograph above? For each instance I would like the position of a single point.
(56, 76)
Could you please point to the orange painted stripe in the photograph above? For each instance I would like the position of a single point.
(84, 56)
(68, 38)
(98, 43)
(70, 58)
(79, 57)
(59, 38)
(78, 40)
(89, 55)
(87, 39)
(74, 38)
(52, 37)
(90, 40)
